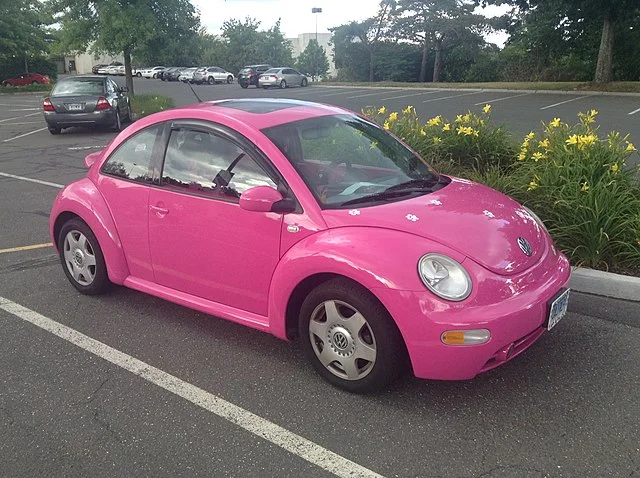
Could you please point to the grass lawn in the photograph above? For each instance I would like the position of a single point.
(616, 86)
(26, 89)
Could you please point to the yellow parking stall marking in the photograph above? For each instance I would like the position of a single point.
(26, 248)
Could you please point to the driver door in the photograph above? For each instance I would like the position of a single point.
(202, 243)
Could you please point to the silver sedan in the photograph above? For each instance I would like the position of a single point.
(282, 77)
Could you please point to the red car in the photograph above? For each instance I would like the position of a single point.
(27, 79)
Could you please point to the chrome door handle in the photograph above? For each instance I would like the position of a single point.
(160, 211)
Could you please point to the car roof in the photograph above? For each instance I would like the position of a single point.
(260, 113)
(83, 77)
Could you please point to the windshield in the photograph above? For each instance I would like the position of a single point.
(347, 160)
(79, 87)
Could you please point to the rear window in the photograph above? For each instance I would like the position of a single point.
(79, 87)
(272, 71)
(246, 70)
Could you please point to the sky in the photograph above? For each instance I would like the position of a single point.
(295, 15)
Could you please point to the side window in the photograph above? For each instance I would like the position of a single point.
(206, 164)
(110, 89)
(132, 159)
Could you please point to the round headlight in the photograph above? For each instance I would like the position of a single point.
(444, 277)
(535, 218)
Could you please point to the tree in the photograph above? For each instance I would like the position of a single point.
(123, 26)
(608, 13)
(369, 33)
(313, 60)
(23, 33)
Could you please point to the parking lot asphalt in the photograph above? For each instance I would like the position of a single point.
(567, 407)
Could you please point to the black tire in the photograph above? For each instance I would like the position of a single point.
(283, 84)
(99, 282)
(117, 122)
(266, 87)
(244, 86)
(138, 74)
(211, 80)
(378, 333)
(154, 76)
(304, 82)
(54, 130)
(229, 79)
(34, 83)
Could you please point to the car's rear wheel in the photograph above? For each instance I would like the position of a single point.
(350, 338)
(304, 82)
(54, 130)
(244, 85)
(283, 84)
(82, 258)
(211, 80)
(229, 79)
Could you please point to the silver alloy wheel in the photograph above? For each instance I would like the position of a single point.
(342, 340)
(283, 84)
(79, 257)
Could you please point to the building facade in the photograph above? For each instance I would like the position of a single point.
(301, 41)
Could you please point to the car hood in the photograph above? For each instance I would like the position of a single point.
(470, 218)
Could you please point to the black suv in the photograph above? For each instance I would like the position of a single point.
(249, 75)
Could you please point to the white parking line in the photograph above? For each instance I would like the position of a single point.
(634, 112)
(454, 96)
(501, 99)
(336, 94)
(23, 123)
(269, 431)
(37, 181)
(412, 94)
(25, 109)
(30, 105)
(18, 117)
(562, 102)
(23, 135)
(81, 148)
(367, 94)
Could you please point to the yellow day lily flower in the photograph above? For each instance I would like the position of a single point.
(545, 144)
(486, 108)
(437, 140)
(423, 132)
(531, 135)
(572, 139)
(615, 168)
(382, 110)
(459, 119)
(466, 130)
(587, 140)
(434, 121)
(555, 123)
(537, 156)
(393, 116)
(522, 156)
(446, 127)
(532, 185)
(585, 187)
(630, 147)
(386, 125)
(407, 110)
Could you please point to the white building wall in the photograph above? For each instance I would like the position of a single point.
(300, 43)
(85, 61)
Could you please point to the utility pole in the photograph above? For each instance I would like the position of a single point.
(316, 11)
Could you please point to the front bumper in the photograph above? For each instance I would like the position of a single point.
(513, 308)
(96, 118)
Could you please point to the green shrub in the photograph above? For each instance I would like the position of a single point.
(468, 143)
(578, 182)
(144, 105)
(581, 186)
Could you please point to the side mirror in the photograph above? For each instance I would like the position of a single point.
(260, 199)
(91, 158)
(124, 89)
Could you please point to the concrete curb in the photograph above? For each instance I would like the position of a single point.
(489, 90)
(607, 284)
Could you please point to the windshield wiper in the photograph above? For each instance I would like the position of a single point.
(421, 183)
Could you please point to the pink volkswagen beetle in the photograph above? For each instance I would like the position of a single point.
(306, 220)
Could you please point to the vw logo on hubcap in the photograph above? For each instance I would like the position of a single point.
(340, 340)
(78, 258)
(525, 246)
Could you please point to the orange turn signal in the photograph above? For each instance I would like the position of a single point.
(465, 337)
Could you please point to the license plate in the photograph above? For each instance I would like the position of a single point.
(558, 309)
(74, 107)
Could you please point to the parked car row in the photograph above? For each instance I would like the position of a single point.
(260, 76)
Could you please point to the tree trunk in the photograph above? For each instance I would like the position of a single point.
(26, 65)
(127, 71)
(604, 69)
(423, 64)
(371, 60)
(437, 64)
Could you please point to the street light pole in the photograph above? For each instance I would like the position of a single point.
(316, 11)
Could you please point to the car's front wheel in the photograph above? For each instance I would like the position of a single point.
(350, 338)
(304, 82)
(82, 258)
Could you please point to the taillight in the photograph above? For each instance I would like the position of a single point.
(103, 104)
(48, 106)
